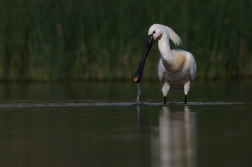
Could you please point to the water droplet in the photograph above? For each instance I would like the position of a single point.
(138, 93)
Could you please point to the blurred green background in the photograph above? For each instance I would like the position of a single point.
(46, 40)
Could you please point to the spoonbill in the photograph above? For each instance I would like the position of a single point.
(176, 68)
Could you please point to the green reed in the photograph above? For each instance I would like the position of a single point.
(104, 40)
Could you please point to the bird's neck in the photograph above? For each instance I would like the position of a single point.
(165, 51)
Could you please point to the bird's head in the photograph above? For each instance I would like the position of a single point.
(157, 31)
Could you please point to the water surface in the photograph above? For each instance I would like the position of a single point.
(99, 124)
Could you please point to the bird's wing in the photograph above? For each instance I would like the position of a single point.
(161, 70)
(193, 68)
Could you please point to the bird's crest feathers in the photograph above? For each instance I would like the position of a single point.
(173, 36)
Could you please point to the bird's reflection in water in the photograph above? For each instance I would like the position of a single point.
(173, 142)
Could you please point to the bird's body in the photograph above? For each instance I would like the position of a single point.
(177, 74)
(176, 68)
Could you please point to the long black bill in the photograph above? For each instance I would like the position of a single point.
(139, 72)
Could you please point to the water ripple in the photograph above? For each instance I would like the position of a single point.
(104, 104)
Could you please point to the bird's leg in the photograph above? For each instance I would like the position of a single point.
(165, 90)
(186, 90)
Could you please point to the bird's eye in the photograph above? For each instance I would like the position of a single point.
(153, 32)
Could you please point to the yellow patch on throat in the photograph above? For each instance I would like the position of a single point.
(159, 37)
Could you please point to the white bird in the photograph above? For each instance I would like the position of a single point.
(176, 68)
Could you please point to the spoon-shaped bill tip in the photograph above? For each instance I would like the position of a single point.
(136, 79)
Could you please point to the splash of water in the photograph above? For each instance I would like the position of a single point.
(138, 93)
